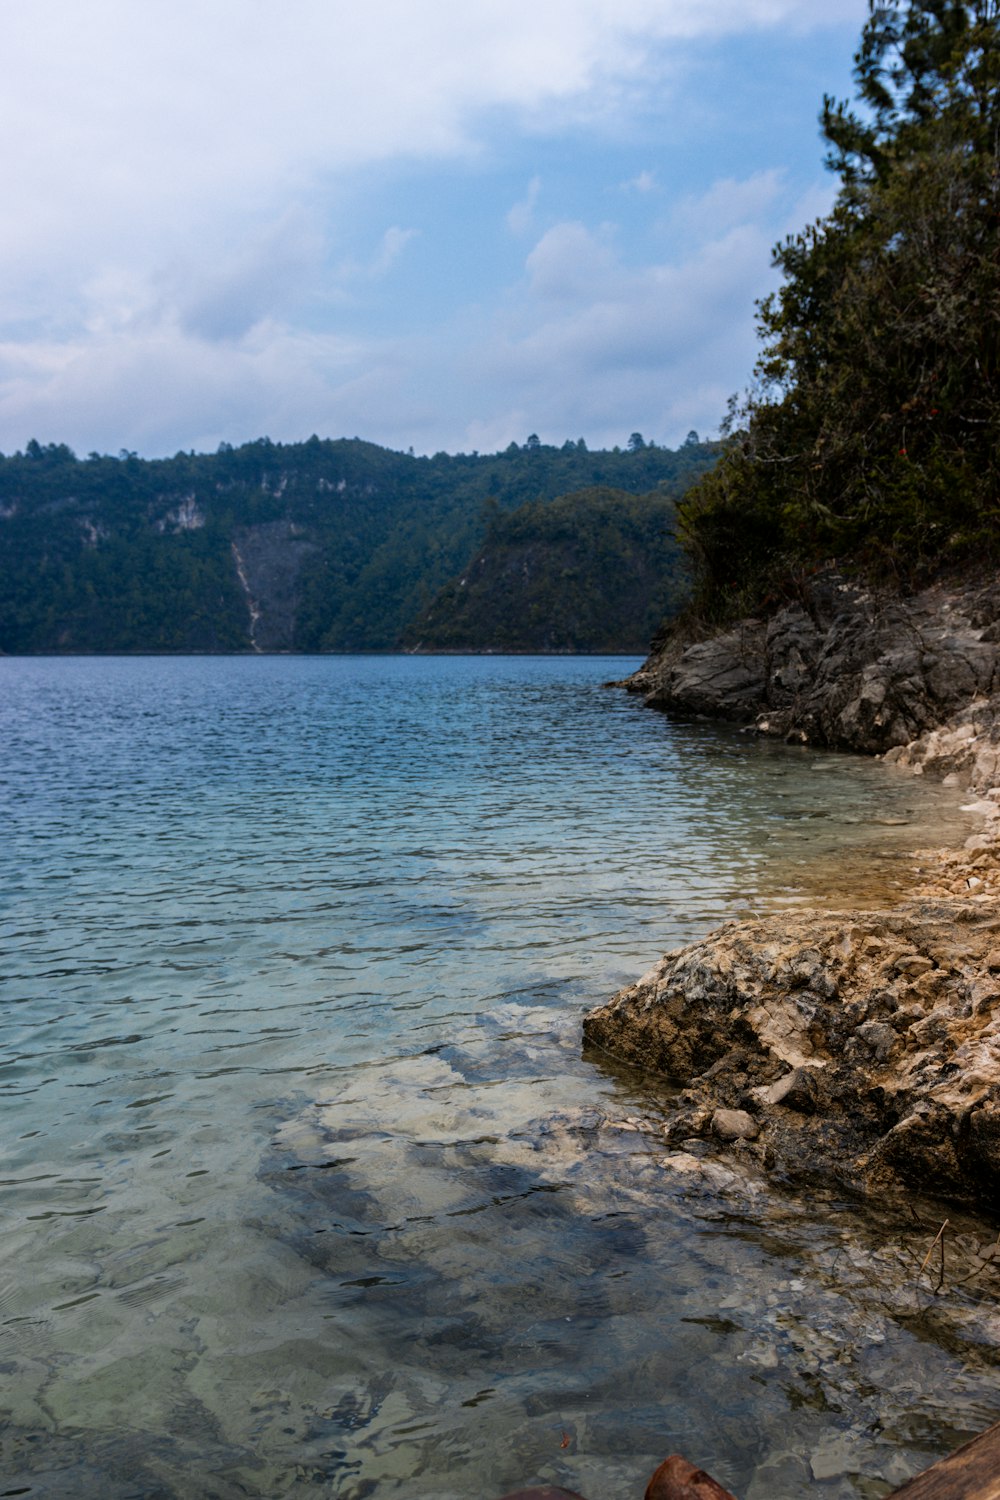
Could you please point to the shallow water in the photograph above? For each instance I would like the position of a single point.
(307, 1187)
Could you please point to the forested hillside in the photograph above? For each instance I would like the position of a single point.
(592, 571)
(872, 433)
(317, 546)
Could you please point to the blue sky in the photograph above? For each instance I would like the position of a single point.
(442, 224)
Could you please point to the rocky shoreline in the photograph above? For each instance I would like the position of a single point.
(858, 1047)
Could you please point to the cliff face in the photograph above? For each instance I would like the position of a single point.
(843, 667)
(269, 560)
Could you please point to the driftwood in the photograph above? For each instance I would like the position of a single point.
(676, 1479)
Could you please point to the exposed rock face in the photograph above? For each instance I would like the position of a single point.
(269, 560)
(861, 1046)
(844, 667)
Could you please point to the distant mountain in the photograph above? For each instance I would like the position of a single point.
(316, 546)
(596, 570)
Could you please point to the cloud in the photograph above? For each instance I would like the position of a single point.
(729, 202)
(181, 255)
(230, 294)
(618, 318)
(140, 122)
(394, 242)
(570, 262)
(150, 385)
(593, 344)
(643, 182)
(373, 267)
(521, 215)
(586, 343)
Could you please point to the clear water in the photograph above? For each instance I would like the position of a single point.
(307, 1188)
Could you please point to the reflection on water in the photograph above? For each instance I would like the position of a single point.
(307, 1188)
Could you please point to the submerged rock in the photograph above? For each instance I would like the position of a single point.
(863, 1046)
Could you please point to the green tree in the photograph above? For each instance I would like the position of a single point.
(870, 432)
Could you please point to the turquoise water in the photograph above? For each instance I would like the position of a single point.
(307, 1188)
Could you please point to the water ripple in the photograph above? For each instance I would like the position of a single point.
(303, 1172)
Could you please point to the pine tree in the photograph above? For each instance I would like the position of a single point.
(872, 430)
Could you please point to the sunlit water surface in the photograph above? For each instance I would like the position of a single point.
(307, 1187)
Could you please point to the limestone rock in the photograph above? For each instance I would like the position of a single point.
(849, 667)
(797, 1090)
(734, 1125)
(866, 1044)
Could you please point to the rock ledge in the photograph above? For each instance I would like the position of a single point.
(844, 666)
(861, 1046)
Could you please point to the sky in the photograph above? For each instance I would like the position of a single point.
(437, 224)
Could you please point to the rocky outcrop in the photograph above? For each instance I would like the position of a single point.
(843, 666)
(269, 560)
(864, 1046)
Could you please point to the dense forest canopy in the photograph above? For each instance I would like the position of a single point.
(871, 432)
(316, 546)
(596, 570)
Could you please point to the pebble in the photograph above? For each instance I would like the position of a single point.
(734, 1125)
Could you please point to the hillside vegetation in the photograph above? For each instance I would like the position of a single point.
(593, 571)
(316, 546)
(872, 434)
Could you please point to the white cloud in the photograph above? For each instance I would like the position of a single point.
(175, 242)
(394, 242)
(570, 262)
(137, 122)
(140, 390)
(225, 297)
(521, 215)
(628, 319)
(643, 182)
(374, 267)
(586, 344)
(729, 202)
(595, 345)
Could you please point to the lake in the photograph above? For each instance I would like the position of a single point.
(308, 1188)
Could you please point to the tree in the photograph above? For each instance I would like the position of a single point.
(870, 432)
(636, 442)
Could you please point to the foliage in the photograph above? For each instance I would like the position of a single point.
(123, 554)
(871, 432)
(592, 571)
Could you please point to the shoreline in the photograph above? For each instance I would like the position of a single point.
(858, 1047)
